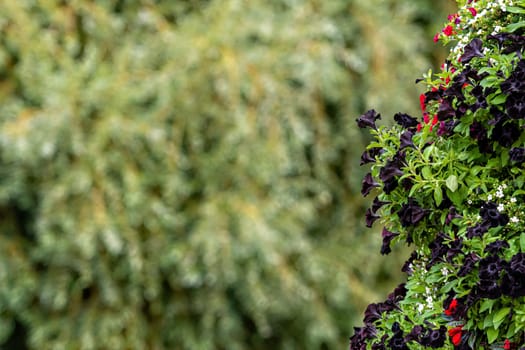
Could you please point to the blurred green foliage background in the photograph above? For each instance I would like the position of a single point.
(185, 174)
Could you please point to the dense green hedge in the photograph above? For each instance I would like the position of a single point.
(182, 174)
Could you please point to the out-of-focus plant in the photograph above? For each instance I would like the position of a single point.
(180, 174)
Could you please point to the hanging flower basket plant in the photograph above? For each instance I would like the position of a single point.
(451, 184)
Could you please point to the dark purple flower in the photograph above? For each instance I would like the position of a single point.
(455, 248)
(515, 83)
(391, 169)
(405, 120)
(370, 217)
(387, 238)
(517, 264)
(515, 105)
(496, 247)
(415, 334)
(369, 156)
(488, 289)
(397, 341)
(506, 133)
(390, 185)
(373, 313)
(368, 184)
(490, 214)
(361, 335)
(434, 338)
(471, 50)
(368, 120)
(377, 204)
(478, 230)
(407, 265)
(410, 213)
(447, 127)
(445, 110)
(437, 249)
(513, 286)
(517, 154)
(478, 131)
(468, 264)
(406, 139)
(452, 214)
(490, 268)
(398, 293)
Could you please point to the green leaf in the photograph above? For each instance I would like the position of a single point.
(513, 9)
(426, 172)
(438, 195)
(492, 334)
(487, 322)
(522, 242)
(515, 26)
(487, 305)
(498, 99)
(499, 316)
(452, 183)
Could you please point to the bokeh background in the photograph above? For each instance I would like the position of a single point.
(185, 174)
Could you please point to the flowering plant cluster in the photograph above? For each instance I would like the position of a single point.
(451, 183)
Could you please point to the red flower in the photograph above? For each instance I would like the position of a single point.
(455, 335)
(434, 122)
(473, 11)
(506, 344)
(436, 37)
(452, 307)
(426, 119)
(448, 30)
(419, 127)
(422, 102)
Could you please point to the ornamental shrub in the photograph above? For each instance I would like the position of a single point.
(451, 184)
(177, 174)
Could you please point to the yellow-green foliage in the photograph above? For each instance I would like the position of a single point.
(184, 174)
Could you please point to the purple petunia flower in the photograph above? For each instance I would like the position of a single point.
(368, 120)
(368, 184)
(410, 213)
(405, 120)
(369, 155)
(491, 215)
(471, 50)
(434, 338)
(370, 217)
(387, 238)
(496, 247)
(517, 155)
(377, 204)
(406, 139)
(392, 167)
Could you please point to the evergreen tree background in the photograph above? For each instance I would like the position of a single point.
(185, 175)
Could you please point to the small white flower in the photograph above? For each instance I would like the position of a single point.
(420, 307)
(429, 301)
(489, 197)
(499, 194)
(469, 201)
(501, 207)
(444, 271)
(513, 200)
(514, 219)
(504, 186)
